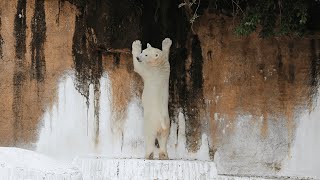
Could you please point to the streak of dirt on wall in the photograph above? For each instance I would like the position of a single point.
(194, 98)
(31, 73)
(20, 73)
(1, 39)
(38, 28)
(314, 70)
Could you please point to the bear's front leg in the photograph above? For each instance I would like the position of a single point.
(136, 51)
(136, 48)
(166, 44)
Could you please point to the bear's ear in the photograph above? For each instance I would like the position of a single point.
(148, 45)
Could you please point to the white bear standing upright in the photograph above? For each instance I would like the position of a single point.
(153, 66)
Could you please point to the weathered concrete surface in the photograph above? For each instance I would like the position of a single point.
(36, 50)
(246, 94)
(303, 158)
(255, 91)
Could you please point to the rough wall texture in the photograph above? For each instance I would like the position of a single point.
(36, 51)
(245, 93)
(255, 89)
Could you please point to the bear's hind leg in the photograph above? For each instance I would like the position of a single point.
(163, 138)
(150, 146)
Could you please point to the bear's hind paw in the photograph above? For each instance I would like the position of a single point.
(163, 156)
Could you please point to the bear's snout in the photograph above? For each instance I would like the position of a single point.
(138, 59)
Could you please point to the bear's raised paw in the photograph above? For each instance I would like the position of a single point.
(136, 46)
(166, 43)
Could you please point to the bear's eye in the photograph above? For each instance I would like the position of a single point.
(145, 55)
(157, 55)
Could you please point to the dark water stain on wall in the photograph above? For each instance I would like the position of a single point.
(116, 23)
(281, 80)
(20, 29)
(17, 105)
(196, 66)
(314, 68)
(38, 29)
(87, 64)
(123, 23)
(19, 75)
(1, 39)
(194, 97)
(177, 82)
(291, 67)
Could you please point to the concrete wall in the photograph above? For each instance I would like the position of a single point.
(249, 104)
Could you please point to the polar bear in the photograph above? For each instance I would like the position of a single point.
(153, 66)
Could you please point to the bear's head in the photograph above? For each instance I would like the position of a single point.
(151, 56)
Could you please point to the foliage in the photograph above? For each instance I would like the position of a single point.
(270, 17)
(274, 17)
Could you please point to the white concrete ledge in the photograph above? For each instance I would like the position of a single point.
(20, 164)
(104, 168)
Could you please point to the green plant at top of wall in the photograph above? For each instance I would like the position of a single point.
(274, 18)
(271, 17)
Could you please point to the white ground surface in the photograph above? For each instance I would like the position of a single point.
(20, 164)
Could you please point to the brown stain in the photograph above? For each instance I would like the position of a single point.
(248, 75)
(28, 98)
(122, 78)
(7, 67)
(96, 106)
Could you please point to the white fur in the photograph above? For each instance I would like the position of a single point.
(153, 66)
